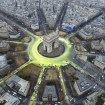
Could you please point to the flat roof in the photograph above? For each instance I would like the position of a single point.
(100, 59)
(96, 42)
(51, 36)
(83, 83)
(96, 27)
(13, 33)
(21, 82)
(3, 30)
(10, 100)
(3, 43)
(51, 89)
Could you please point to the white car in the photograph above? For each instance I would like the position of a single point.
(8, 91)
(20, 98)
(71, 99)
(14, 92)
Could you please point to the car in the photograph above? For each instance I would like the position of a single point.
(95, 86)
(43, 77)
(40, 82)
(92, 52)
(0, 79)
(74, 100)
(71, 99)
(34, 87)
(14, 93)
(8, 91)
(102, 76)
(20, 98)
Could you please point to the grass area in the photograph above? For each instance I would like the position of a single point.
(88, 46)
(51, 75)
(12, 47)
(91, 60)
(30, 73)
(58, 89)
(79, 37)
(26, 39)
(75, 39)
(50, 31)
(32, 69)
(51, 79)
(61, 33)
(71, 78)
(41, 90)
(60, 93)
(39, 33)
(24, 75)
(99, 101)
(19, 60)
(10, 61)
(81, 48)
(19, 47)
(69, 72)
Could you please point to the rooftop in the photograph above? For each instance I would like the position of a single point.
(3, 61)
(2, 23)
(10, 100)
(50, 89)
(77, 14)
(19, 81)
(51, 36)
(3, 43)
(96, 42)
(83, 83)
(3, 30)
(96, 27)
(100, 59)
(13, 33)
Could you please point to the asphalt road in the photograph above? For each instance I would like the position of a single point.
(43, 61)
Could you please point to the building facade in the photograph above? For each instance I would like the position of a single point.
(14, 35)
(92, 98)
(50, 94)
(50, 41)
(100, 62)
(82, 85)
(96, 45)
(4, 67)
(20, 85)
(4, 46)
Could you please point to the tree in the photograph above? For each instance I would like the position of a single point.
(24, 75)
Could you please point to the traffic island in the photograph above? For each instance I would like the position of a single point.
(55, 52)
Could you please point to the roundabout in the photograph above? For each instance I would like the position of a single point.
(55, 51)
(41, 60)
(58, 53)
